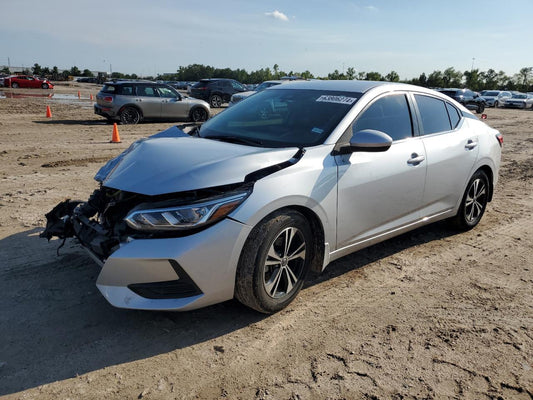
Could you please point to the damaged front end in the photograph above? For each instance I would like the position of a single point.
(111, 216)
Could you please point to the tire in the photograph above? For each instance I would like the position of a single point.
(44, 85)
(215, 101)
(198, 114)
(480, 108)
(274, 262)
(130, 116)
(474, 202)
(14, 85)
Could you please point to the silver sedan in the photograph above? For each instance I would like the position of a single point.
(283, 183)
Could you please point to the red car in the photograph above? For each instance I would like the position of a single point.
(26, 81)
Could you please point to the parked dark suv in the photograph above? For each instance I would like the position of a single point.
(468, 98)
(216, 91)
(133, 101)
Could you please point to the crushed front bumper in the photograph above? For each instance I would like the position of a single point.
(176, 273)
(163, 274)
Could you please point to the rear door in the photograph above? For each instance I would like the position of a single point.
(451, 150)
(148, 100)
(378, 192)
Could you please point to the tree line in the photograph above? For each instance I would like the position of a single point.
(473, 79)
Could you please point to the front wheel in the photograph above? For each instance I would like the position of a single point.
(130, 116)
(215, 101)
(474, 202)
(274, 262)
(44, 85)
(198, 115)
(480, 108)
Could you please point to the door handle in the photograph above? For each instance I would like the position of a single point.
(470, 144)
(415, 159)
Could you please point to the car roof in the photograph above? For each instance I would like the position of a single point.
(137, 82)
(215, 79)
(341, 85)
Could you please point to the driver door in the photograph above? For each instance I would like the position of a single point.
(172, 105)
(379, 192)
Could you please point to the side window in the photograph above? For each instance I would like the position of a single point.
(389, 114)
(433, 113)
(126, 90)
(454, 115)
(147, 91)
(236, 85)
(167, 93)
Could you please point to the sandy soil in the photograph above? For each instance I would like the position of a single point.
(429, 315)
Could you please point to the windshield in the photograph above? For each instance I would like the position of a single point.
(519, 96)
(491, 94)
(282, 118)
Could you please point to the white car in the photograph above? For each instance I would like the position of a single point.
(283, 183)
(495, 98)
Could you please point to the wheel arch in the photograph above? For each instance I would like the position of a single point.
(132, 106)
(490, 174)
(198, 106)
(316, 227)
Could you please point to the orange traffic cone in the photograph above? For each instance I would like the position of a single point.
(79, 95)
(91, 97)
(116, 136)
(48, 112)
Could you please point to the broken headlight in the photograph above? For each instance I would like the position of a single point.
(184, 217)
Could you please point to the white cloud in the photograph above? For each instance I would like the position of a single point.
(277, 15)
(371, 8)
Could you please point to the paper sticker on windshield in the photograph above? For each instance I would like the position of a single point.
(336, 99)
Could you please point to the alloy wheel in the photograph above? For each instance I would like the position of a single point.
(284, 263)
(476, 200)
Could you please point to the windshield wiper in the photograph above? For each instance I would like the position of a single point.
(237, 140)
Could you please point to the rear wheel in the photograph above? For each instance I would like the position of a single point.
(215, 101)
(474, 202)
(198, 114)
(130, 116)
(274, 262)
(14, 85)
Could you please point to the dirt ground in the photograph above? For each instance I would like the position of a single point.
(428, 315)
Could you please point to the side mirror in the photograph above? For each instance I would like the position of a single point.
(370, 140)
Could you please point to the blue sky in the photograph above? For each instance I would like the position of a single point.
(157, 36)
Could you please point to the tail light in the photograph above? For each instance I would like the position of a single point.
(108, 99)
(499, 137)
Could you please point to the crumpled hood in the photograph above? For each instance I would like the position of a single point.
(175, 164)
